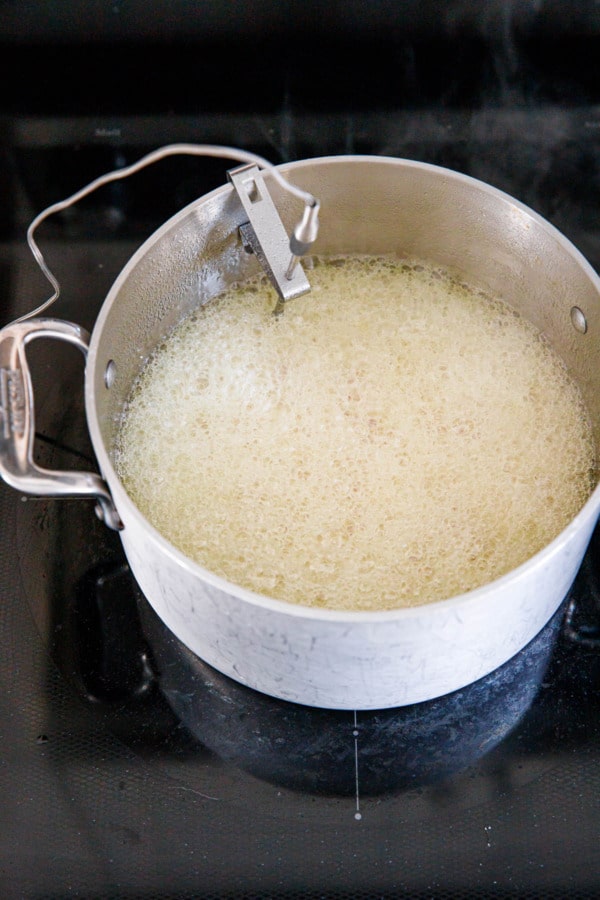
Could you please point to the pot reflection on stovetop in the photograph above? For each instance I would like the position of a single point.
(324, 751)
(159, 698)
(125, 651)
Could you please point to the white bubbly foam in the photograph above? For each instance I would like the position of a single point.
(393, 438)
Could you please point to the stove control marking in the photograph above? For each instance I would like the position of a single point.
(355, 734)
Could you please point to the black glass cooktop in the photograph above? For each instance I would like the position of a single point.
(129, 768)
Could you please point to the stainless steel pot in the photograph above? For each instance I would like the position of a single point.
(321, 657)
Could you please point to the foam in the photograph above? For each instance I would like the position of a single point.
(393, 438)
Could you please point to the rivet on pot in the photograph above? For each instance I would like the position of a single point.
(110, 373)
(578, 320)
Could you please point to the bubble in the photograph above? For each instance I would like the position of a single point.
(396, 442)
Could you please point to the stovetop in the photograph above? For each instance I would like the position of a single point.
(129, 768)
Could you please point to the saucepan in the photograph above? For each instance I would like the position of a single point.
(369, 205)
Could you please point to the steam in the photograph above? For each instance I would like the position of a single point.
(496, 105)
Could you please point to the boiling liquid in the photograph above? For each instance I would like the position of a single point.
(393, 438)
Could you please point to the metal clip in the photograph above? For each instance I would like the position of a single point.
(264, 233)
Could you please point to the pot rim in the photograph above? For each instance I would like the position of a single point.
(457, 602)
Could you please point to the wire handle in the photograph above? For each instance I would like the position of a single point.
(217, 150)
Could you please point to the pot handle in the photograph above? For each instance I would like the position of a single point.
(17, 420)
